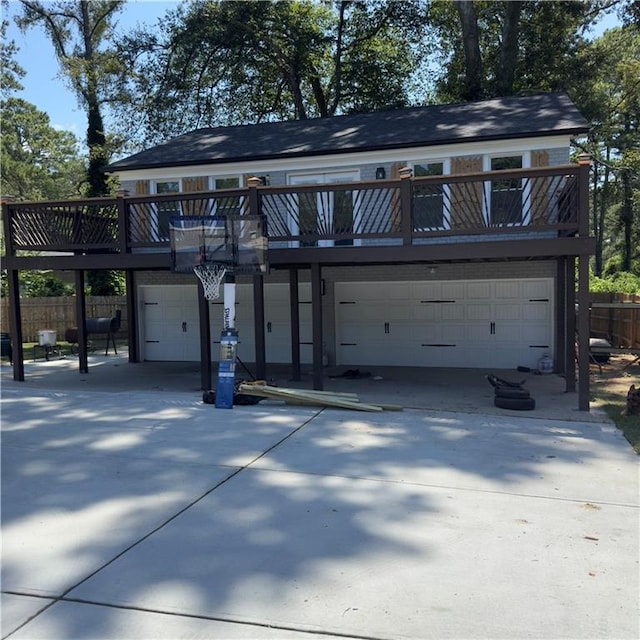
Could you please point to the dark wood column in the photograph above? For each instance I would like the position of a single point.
(15, 321)
(570, 305)
(316, 310)
(260, 342)
(294, 301)
(132, 316)
(583, 333)
(81, 321)
(560, 355)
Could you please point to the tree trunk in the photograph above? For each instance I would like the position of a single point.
(98, 158)
(627, 218)
(508, 48)
(472, 55)
(597, 229)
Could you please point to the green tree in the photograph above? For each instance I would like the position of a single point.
(503, 48)
(106, 283)
(234, 62)
(614, 143)
(79, 31)
(37, 161)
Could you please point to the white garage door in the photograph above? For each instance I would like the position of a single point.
(170, 324)
(170, 328)
(474, 323)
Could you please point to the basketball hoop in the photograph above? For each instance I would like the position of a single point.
(211, 275)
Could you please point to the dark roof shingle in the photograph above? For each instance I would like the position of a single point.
(500, 118)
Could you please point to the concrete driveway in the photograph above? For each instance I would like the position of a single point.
(151, 515)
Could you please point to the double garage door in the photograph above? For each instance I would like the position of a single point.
(170, 328)
(475, 323)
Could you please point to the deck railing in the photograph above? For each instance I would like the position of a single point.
(544, 202)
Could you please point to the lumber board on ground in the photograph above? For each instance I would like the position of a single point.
(327, 400)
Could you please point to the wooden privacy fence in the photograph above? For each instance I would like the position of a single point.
(59, 314)
(616, 317)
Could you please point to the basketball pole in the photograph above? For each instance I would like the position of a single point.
(225, 386)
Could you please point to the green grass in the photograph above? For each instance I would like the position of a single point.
(614, 405)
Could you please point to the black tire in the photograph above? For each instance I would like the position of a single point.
(510, 392)
(515, 404)
(494, 381)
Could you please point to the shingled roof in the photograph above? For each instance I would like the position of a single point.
(500, 118)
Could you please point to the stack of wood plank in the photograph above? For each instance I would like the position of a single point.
(312, 398)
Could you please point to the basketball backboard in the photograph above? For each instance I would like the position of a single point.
(238, 242)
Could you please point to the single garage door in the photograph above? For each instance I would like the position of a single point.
(473, 323)
(170, 324)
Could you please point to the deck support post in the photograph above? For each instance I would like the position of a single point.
(81, 321)
(316, 310)
(294, 300)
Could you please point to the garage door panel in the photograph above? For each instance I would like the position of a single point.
(452, 290)
(469, 333)
(437, 311)
(169, 323)
(491, 323)
(478, 290)
(535, 311)
(478, 312)
(507, 312)
(509, 333)
(507, 289)
(534, 334)
(535, 288)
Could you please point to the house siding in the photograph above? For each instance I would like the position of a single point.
(277, 178)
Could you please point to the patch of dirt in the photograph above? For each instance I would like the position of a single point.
(615, 377)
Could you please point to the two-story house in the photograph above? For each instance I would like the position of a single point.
(441, 236)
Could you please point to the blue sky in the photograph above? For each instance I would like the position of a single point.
(46, 90)
(42, 85)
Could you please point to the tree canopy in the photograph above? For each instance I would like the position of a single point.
(38, 161)
(80, 31)
(235, 62)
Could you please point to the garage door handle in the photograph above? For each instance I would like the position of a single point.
(436, 344)
(268, 327)
(184, 327)
(386, 327)
(492, 328)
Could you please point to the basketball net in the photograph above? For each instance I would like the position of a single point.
(211, 276)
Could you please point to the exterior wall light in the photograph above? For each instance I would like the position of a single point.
(381, 173)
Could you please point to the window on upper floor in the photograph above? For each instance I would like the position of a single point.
(228, 205)
(430, 201)
(166, 210)
(506, 195)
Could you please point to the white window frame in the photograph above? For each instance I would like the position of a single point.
(211, 185)
(526, 191)
(446, 187)
(324, 178)
(156, 210)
